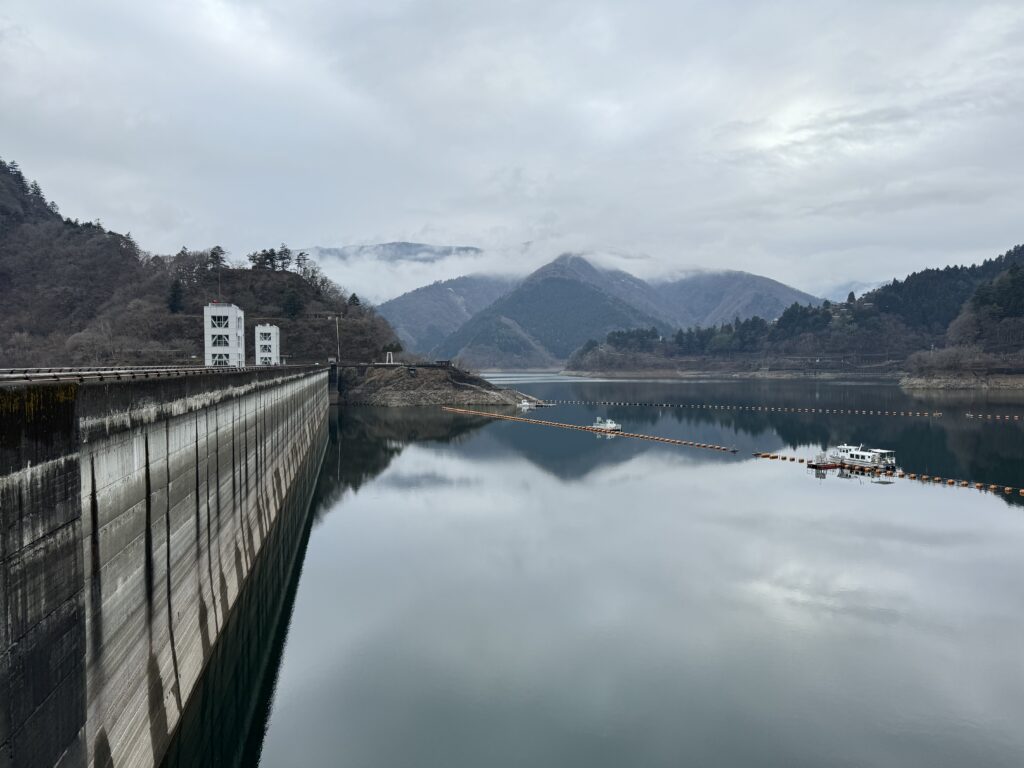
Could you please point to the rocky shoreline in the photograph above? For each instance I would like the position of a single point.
(401, 385)
(961, 381)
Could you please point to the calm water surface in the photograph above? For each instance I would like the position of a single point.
(481, 593)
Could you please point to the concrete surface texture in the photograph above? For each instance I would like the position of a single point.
(131, 515)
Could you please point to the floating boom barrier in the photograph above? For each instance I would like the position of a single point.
(1004, 418)
(757, 408)
(592, 430)
(1006, 490)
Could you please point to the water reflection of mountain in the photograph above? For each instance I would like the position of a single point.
(950, 446)
(364, 441)
(572, 455)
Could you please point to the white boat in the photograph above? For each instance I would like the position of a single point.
(607, 425)
(526, 405)
(859, 456)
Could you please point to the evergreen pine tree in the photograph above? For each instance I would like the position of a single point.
(176, 297)
(217, 260)
(284, 257)
(292, 305)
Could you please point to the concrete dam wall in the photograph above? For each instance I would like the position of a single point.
(132, 514)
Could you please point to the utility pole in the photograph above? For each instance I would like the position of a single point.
(337, 335)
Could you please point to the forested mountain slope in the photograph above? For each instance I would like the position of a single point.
(970, 314)
(712, 298)
(556, 308)
(545, 318)
(76, 293)
(424, 317)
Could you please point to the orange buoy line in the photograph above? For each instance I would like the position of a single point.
(593, 430)
(755, 408)
(1007, 490)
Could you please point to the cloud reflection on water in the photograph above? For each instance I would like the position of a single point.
(470, 606)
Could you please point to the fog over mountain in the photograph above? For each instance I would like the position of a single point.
(538, 321)
(384, 272)
(814, 142)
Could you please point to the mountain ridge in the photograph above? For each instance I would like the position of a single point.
(554, 309)
(714, 297)
(955, 319)
(425, 316)
(538, 321)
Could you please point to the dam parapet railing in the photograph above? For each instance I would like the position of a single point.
(132, 511)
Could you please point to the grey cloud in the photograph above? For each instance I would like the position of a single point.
(814, 142)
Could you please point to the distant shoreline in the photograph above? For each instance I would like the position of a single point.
(938, 381)
(711, 375)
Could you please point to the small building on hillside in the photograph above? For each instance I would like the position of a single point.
(224, 335)
(268, 345)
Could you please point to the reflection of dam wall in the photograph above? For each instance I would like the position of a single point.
(131, 515)
(224, 722)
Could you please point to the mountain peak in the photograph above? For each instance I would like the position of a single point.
(556, 308)
(572, 266)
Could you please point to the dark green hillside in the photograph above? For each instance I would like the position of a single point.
(993, 320)
(54, 274)
(561, 314)
(491, 340)
(628, 289)
(76, 294)
(424, 317)
(570, 300)
(976, 313)
(929, 300)
(712, 298)
(550, 313)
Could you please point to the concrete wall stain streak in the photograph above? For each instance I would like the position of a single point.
(131, 516)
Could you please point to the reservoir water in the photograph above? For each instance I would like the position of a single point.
(481, 593)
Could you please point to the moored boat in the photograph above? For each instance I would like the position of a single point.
(607, 425)
(859, 456)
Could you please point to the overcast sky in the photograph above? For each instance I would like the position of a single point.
(815, 142)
